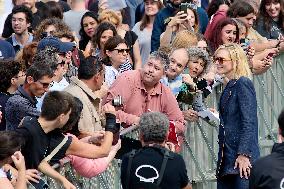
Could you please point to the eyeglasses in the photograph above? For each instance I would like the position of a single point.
(121, 51)
(220, 60)
(45, 85)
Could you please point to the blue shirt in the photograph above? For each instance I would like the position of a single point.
(16, 45)
(174, 84)
(6, 50)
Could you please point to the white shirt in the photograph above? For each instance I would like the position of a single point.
(2, 173)
(110, 75)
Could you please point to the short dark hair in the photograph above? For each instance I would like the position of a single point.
(25, 10)
(8, 69)
(56, 103)
(54, 9)
(100, 30)
(240, 9)
(153, 127)
(10, 142)
(39, 70)
(90, 67)
(281, 122)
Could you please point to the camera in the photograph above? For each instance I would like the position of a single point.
(117, 101)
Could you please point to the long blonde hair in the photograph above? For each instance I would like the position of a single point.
(239, 59)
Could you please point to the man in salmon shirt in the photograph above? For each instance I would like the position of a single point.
(141, 92)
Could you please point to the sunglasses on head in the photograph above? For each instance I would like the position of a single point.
(220, 60)
(122, 51)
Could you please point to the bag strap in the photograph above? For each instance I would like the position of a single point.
(55, 150)
(163, 167)
(131, 156)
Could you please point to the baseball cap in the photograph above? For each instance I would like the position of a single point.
(62, 47)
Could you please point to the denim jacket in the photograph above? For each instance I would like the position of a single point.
(238, 131)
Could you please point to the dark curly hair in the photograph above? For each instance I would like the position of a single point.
(8, 69)
(56, 22)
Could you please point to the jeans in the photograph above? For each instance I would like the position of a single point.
(232, 182)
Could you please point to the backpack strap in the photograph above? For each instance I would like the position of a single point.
(131, 156)
(163, 167)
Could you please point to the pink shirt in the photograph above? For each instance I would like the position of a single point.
(136, 100)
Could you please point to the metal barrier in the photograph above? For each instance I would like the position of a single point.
(200, 153)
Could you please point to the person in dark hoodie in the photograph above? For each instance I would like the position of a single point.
(268, 171)
(163, 17)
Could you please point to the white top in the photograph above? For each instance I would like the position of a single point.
(2, 173)
(110, 75)
(144, 39)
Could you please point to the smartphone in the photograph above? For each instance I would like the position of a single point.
(40, 185)
(183, 7)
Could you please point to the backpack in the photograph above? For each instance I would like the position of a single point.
(156, 185)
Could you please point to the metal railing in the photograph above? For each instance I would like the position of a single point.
(201, 152)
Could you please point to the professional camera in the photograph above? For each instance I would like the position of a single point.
(117, 101)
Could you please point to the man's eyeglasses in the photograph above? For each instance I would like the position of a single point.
(45, 85)
(121, 51)
(220, 60)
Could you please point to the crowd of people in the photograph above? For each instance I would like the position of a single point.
(75, 74)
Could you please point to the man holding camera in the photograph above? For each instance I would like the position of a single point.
(154, 166)
(141, 91)
(163, 17)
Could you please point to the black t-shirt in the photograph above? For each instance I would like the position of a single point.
(38, 144)
(147, 164)
(3, 99)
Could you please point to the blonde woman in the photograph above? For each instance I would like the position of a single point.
(238, 130)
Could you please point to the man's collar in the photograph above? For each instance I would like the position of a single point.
(84, 87)
(15, 42)
(23, 93)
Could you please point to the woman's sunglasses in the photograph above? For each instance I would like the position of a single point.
(121, 51)
(220, 60)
